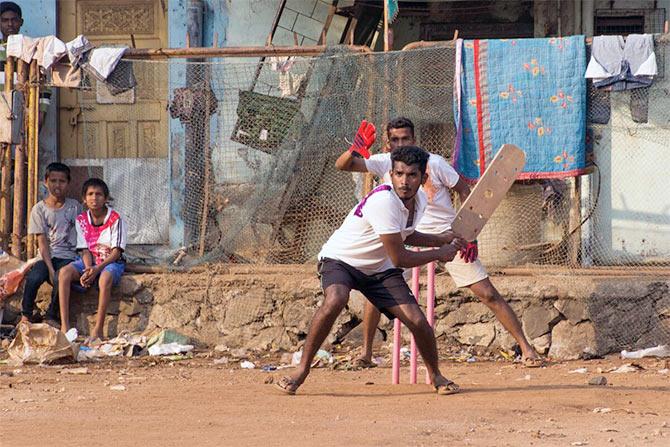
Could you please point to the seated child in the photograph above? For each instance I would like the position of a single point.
(101, 237)
(52, 221)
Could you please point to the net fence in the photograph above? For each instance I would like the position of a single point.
(232, 160)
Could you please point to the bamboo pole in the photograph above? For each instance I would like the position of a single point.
(5, 200)
(19, 214)
(31, 131)
(203, 52)
(36, 141)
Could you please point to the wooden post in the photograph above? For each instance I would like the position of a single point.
(575, 219)
(19, 214)
(5, 200)
(31, 131)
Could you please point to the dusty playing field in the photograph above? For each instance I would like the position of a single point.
(195, 402)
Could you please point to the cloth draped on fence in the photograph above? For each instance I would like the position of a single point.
(527, 92)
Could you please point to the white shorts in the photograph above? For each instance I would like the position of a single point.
(465, 274)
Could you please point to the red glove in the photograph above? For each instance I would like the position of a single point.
(469, 253)
(364, 139)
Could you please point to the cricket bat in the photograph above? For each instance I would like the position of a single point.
(488, 192)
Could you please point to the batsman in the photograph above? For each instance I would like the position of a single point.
(466, 269)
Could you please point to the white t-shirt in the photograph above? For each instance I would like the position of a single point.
(100, 240)
(440, 211)
(357, 241)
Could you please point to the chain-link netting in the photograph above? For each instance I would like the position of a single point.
(233, 159)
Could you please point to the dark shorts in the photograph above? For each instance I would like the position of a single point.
(384, 290)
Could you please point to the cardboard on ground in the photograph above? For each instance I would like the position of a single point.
(488, 192)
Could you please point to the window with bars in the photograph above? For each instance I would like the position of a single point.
(628, 21)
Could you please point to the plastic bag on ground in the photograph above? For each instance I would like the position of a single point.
(12, 271)
(169, 348)
(656, 351)
(40, 343)
(166, 336)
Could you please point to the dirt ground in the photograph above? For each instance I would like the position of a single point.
(198, 402)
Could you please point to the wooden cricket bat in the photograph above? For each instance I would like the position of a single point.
(489, 192)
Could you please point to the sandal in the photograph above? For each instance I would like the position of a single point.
(361, 363)
(287, 385)
(446, 388)
(92, 342)
(537, 362)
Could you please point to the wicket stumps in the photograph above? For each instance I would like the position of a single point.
(397, 327)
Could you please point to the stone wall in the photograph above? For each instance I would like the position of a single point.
(271, 307)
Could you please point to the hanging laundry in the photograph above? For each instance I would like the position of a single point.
(616, 64)
(53, 50)
(526, 92)
(281, 64)
(21, 47)
(289, 83)
(121, 79)
(102, 61)
(65, 75)
(77, 49)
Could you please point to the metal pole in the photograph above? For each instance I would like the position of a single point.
(264, 51)
(19, 214)
(5, 200)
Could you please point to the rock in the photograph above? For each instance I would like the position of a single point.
(271, 337)
(355, 336)
(297, 316)
(246, 308)
(356, 304)
(175, 314)
(480, 334)
(538, 320)
(82, 324)
(82, 370)
(663, 307)
(569, 341)
(542, 344)
(575, 311)
(468, 313)
(598, 381)
(129, 286)
(130, 308)
(503, 338)
(145, 297)
(117, 388)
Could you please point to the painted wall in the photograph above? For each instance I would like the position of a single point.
(633, 218)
